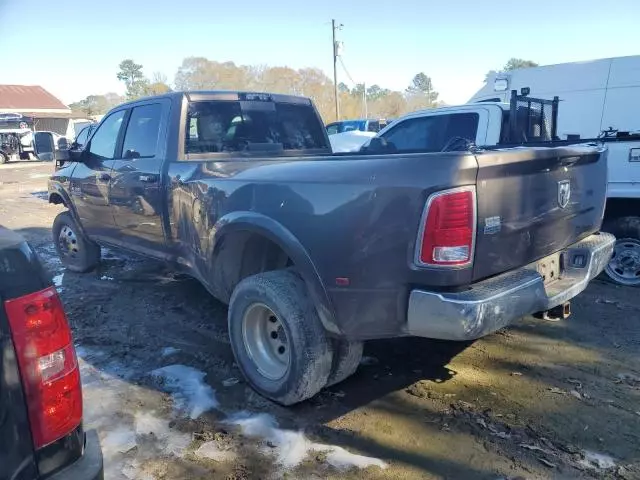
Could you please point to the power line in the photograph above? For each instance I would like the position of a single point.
(344, 67)
(364, 88)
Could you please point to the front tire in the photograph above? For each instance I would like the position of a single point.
(77, 253)
(3, 158)
(277, 337)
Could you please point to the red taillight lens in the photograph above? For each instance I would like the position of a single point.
(48, 364)
(447, 238)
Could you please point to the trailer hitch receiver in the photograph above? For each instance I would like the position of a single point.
(555, 314)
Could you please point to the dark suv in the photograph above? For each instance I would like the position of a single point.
(41, 432)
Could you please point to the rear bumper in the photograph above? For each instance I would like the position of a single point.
(89, 466)
(492, 304)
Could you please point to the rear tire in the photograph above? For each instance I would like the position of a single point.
(277, 338)
(77, 253)
(346, 358)
(624, 266)
(3, 158)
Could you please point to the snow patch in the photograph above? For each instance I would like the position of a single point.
(105, 277)
(170, 441)
(597, 460)
(122, 439)
(166, 351)
(291, 447)
(211, 451)
(190, 394)
(57, 281)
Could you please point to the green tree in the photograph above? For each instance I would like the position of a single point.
(131, 74)
(515, 63)
(343, 88)
(96, 104)
(421, 93)
(375, 92)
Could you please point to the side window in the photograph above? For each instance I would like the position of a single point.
(433, 133)
(103, 142)
(81, 139)
(141, 139)
(409, 135)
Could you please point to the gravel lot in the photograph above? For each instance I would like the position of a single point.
(538, 400)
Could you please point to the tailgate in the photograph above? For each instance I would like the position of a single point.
(533, 202)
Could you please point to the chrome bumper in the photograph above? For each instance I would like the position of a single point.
(494, 303)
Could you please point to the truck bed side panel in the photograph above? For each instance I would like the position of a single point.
(357, 216)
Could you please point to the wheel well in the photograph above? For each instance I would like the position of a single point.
(56, 199)
(622, 207)
(241, 254)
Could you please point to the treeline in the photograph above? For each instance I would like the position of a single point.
(199, 73)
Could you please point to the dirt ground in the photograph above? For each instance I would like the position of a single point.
(537, 400)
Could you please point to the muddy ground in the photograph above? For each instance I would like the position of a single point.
(538, 400)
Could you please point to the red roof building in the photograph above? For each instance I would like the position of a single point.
(48, 112)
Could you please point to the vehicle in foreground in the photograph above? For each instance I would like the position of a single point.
(599, 102)
(316, 252)
(41, 429)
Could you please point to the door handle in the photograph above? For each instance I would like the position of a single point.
(104, 177)
(148, 178)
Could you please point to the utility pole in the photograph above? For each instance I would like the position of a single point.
(335, 66)
(364, 100)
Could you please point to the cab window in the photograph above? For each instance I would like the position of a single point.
(103, 142)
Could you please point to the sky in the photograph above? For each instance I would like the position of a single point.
(73, 47)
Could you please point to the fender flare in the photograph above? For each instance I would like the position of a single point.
(58, 189)
(261, 224)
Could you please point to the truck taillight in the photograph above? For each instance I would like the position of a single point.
(448, 232)
(48, 364)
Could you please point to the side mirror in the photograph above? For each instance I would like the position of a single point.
(76, 155)
(44, 146)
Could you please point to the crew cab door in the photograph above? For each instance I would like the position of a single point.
(136, 194)
(92, 177)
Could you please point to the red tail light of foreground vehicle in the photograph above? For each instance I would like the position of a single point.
(448, 233)
(48, 365)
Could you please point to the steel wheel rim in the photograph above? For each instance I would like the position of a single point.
(265, 341)
(624, 265)
(68, 242)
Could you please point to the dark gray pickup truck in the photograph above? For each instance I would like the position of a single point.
(316, 252)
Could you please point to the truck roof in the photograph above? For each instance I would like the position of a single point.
(464, 106)
(230, 95)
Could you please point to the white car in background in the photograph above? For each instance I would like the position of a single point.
(350, 141)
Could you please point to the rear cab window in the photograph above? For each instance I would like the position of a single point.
(432, 133)
(254, 125)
